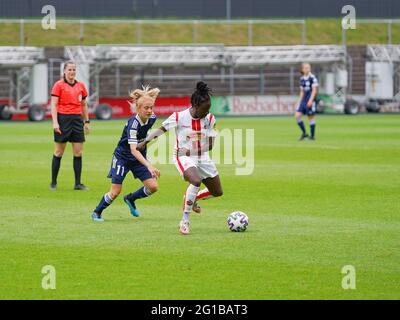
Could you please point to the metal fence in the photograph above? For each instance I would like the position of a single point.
(388, 22)
(194, 24)
(138, 24)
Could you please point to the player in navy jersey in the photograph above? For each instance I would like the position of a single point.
(307, 105)
(127, 157)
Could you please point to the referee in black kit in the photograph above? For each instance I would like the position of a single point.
(68, 105)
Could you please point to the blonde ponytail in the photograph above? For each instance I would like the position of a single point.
(138, 95)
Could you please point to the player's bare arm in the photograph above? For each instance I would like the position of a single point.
(312, 97)
(53, 102)
(136, 153)
(301, 95)
(85, 112)
(206, 148)
(153, 135)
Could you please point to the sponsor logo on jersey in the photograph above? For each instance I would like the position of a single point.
(135, 124)
(133, 133)
(195, 136)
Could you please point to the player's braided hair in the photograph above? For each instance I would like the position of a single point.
(146, 92)
(202, 94)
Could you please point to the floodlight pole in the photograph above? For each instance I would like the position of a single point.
(21, 33)
(228, 10)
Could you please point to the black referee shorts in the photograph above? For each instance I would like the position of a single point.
(71, 126)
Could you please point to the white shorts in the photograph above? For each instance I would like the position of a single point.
(206, 167)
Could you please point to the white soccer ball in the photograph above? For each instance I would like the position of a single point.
(238, 221)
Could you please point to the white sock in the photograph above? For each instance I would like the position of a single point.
(185, 216)
(190, 197)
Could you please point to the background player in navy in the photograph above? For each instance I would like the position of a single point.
(307, 106)
(127, 157)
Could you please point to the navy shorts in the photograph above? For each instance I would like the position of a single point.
(306, 110)
(120, 168)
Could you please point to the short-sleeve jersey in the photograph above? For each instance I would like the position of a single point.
(306, 85)
(192, 134)
(70, 96)
(134, 132)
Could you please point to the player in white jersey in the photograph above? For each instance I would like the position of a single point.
(195, 134)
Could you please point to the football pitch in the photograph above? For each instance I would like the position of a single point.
(314, 207)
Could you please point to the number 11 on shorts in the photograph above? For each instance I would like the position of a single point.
(119, 167)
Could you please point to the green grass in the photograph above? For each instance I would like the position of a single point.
(313, 206)
(319, 31)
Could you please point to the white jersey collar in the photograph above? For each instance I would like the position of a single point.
(140, 120)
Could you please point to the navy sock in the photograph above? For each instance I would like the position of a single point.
(55, 167)
(143, 192)
(77, 169)
(104, 203)
(301, 125)
(312, 128)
